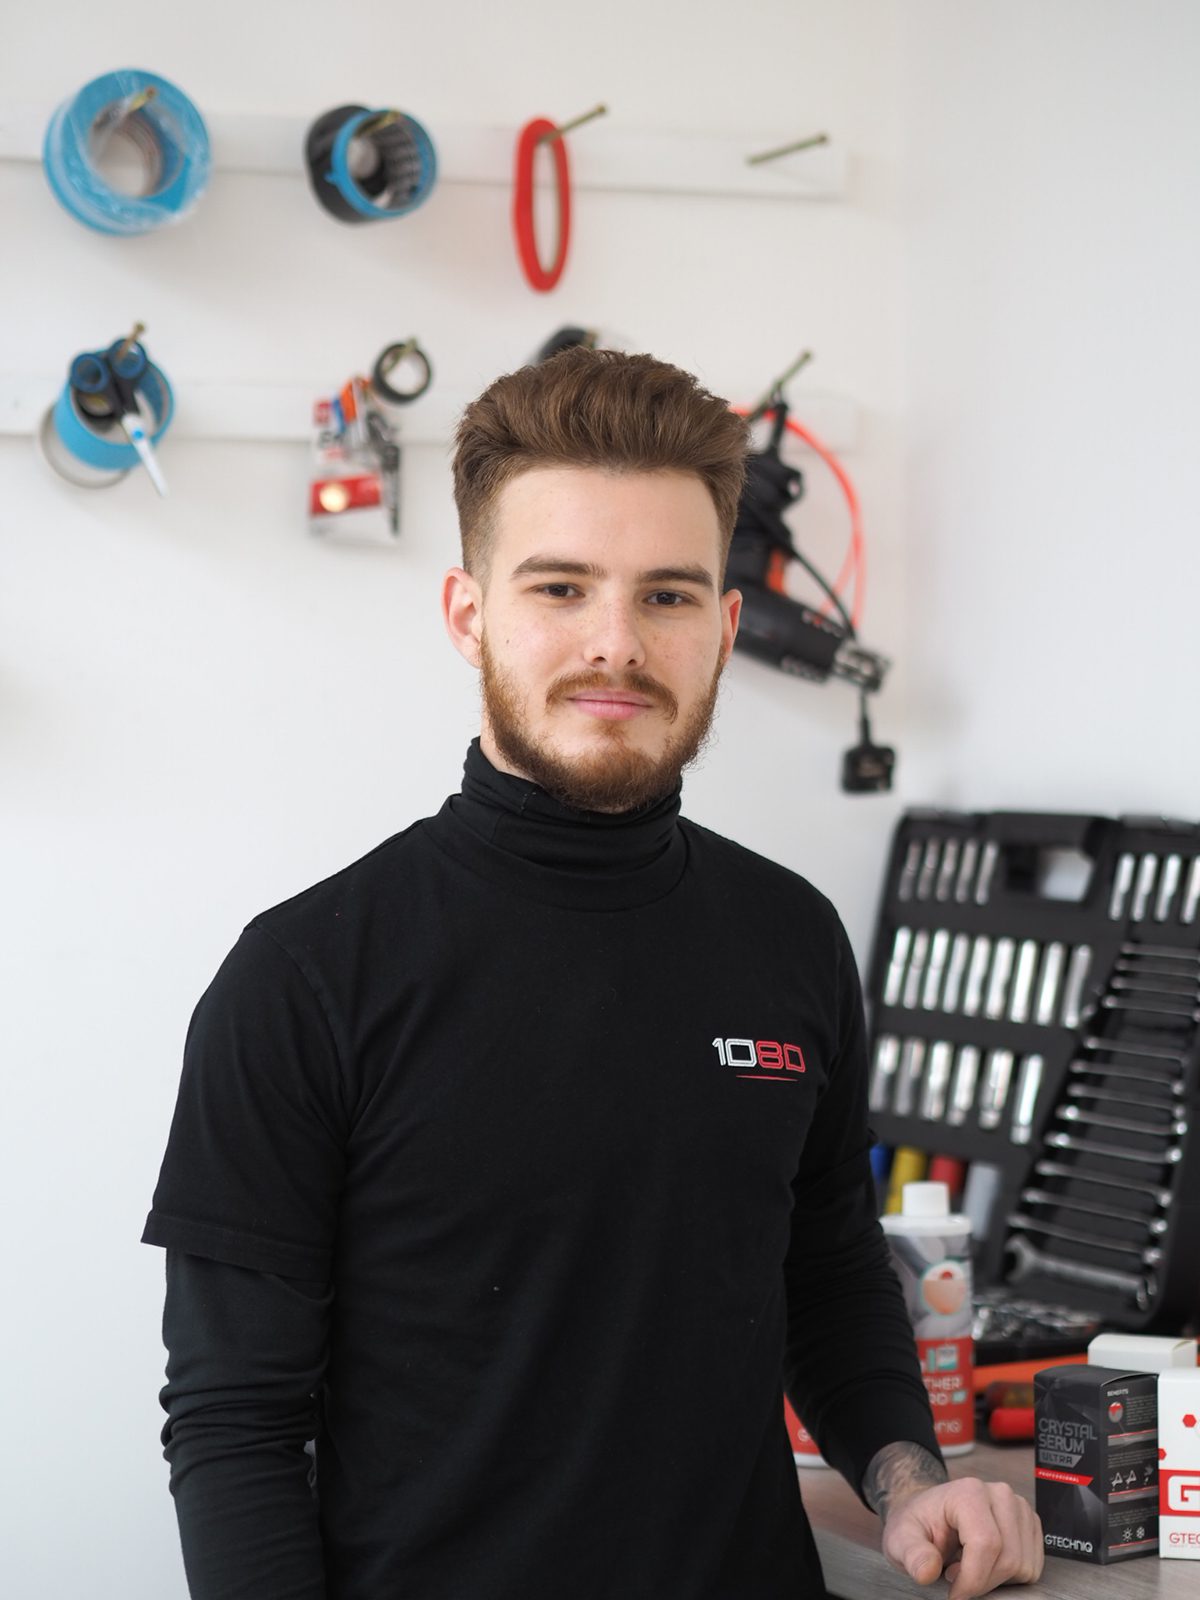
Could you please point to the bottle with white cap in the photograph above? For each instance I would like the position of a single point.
(931, 1252)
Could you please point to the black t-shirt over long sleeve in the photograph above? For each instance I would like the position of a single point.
(517, 1165)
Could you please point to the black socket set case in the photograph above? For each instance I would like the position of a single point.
(1055, 1039)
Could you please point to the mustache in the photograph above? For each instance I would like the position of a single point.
(629, 682)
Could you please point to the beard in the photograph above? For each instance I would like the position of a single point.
(614, 777)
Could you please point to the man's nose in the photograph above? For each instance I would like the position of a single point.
(614, 638)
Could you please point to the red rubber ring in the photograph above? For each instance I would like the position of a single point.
(531, 136)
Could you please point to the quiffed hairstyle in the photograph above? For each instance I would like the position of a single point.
(593, 408)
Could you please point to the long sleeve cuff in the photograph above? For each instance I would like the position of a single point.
(863, 1424)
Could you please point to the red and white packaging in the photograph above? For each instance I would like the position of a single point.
(1179, 1463)
(804, 1446)
(349, 499)
(1141, 1352)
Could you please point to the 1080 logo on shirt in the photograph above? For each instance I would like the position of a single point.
(759, 1058)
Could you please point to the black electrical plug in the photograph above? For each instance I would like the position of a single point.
(867, 768)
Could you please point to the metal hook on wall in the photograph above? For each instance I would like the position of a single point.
(562, 128)
(787, 149)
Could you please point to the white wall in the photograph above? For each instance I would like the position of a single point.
(1052, 243)
(202, 710)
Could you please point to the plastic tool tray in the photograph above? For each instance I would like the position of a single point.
(1034, 997)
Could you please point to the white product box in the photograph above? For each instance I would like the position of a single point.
(1141, 1352)
(1179, 1464)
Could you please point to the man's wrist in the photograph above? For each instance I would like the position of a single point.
(897, 1472)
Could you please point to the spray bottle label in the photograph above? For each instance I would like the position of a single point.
(935, 1274)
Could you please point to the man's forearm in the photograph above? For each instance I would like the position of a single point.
(248, 1528)
(898, 1471)
(245, 1351)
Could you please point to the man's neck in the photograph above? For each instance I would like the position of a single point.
(487, 743)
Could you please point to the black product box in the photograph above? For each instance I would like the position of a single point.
(1096, 1462)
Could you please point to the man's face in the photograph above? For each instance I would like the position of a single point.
(601, 634)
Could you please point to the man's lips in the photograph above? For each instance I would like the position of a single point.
(611, 704)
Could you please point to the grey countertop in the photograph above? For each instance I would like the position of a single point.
(847, 1536)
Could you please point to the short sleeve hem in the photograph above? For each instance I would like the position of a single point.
(236, 1249)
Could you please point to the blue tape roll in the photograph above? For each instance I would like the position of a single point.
(408, 163)
(98, 449)
(167, 125)
(420, 183)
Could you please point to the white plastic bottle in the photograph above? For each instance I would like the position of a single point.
(931, 1251)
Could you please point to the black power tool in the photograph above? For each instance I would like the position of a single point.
(784, 632)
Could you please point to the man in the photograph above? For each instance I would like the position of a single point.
(518, 1164)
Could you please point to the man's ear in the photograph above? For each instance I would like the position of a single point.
(462, 612)
(731, 611)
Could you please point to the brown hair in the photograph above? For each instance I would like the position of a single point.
(594, 408)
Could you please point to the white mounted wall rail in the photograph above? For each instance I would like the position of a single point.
(282, 413)
(614, 158)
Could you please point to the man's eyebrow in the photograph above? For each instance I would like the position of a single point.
(542, 565)
(697, 575)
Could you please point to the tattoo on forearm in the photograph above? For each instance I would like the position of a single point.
(897, 1471)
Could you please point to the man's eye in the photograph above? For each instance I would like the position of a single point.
(668, 597)
(557, 591)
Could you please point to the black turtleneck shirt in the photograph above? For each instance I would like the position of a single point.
(514, 1171)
